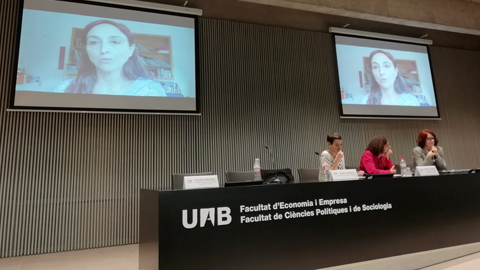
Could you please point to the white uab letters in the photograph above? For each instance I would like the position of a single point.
(426, 171)
(223, 217)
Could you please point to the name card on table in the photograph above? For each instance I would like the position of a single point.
(200, 181)
(342, 175)
(426, 171)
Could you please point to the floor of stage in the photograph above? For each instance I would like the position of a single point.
(112, 258)
(126, 258)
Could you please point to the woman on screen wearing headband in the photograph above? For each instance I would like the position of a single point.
(376, 158)
(427, 152)
(387, 86)
(110, 64)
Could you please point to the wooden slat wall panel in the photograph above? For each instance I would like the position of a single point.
(71, 181)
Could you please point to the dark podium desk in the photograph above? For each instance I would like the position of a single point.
(306, 226)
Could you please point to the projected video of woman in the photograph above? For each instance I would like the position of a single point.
(93, 57)
(387, 86)
(380, 78)
(110, 64)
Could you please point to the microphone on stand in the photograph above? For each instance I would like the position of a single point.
(316, 153)
(276, 180)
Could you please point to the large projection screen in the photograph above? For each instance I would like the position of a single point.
(384, 79)
(90, 56)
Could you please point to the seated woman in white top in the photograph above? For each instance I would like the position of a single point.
(334, 154)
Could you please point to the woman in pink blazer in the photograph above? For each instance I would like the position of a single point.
(376, 158)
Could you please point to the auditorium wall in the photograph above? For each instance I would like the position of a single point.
(71, 181)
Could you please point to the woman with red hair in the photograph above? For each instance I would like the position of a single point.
(427, 152)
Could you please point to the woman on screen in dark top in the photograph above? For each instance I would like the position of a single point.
(387, 86)
(427, 152)
(376, 158)
(110, 64)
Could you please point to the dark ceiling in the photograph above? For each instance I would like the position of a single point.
(233, 10)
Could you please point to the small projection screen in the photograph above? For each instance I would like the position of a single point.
(98, 57)
(384, 79)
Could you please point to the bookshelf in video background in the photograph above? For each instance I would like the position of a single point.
(155, 53)
(408, 70)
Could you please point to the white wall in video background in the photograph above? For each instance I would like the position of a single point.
(350, 63)
(43, 33)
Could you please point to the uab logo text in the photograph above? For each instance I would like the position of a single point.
(219, 216)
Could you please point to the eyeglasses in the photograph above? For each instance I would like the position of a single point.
(431, 139)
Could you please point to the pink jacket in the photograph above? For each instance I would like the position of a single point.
(373, 165)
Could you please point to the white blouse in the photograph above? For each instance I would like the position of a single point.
(326, 155)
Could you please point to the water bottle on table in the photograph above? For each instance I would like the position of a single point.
(403, 166)
(325, 169)
(256, 170)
